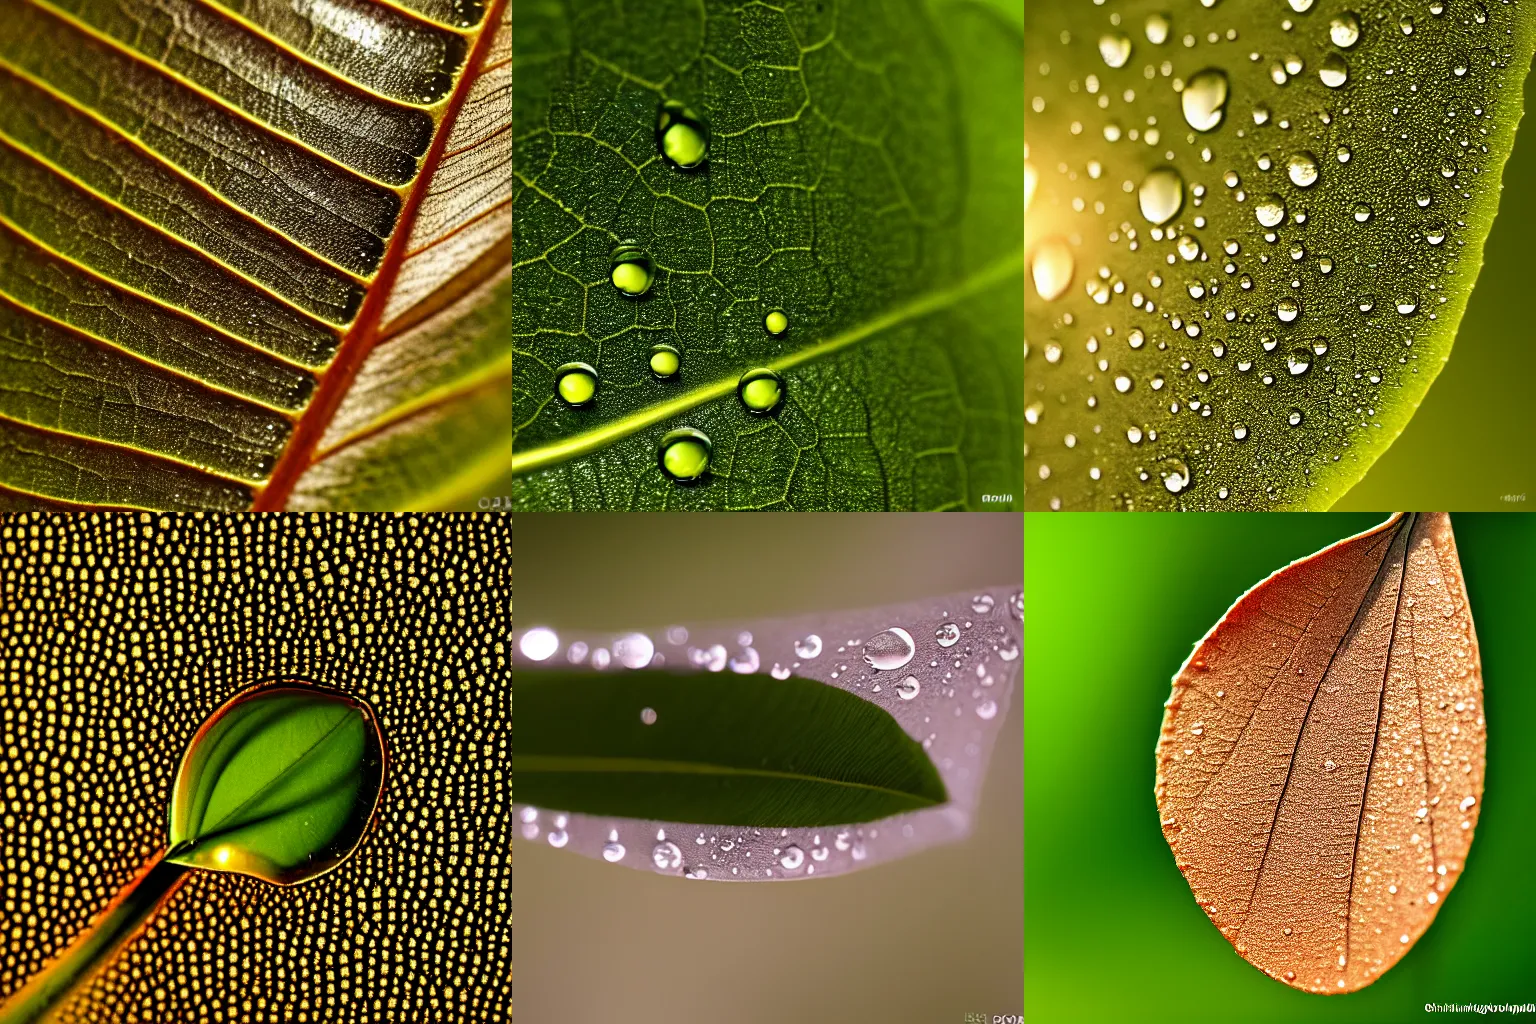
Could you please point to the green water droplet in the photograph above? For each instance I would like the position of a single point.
(665, 361)
(1270, 211)
(1051, 268)
(1301, 168)
(1344, 30)
(1157, 27)
(684, 454)
(682, 137)
(633, 272)
(576, 384)
(1334, 71)
(1161, 195)
(1115, 48)
(1205, 99)
(776, 322)
(760, 390)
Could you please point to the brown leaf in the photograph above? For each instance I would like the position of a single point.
(1321, 758)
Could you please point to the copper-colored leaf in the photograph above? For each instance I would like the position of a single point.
(1321, 758)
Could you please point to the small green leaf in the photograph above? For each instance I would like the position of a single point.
(1251, 233)
(749, 750)
(279, 784)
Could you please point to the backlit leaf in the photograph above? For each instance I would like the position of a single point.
(1251, 231)
(252, 252)
(860, 178)
(1321, 758)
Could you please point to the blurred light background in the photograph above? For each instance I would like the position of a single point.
(927, 939)
(1113, 605)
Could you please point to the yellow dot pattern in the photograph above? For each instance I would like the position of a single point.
(120, 634)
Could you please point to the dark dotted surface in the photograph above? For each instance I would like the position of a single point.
(120, 634)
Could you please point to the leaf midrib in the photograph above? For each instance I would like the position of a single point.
(650, 766)
(598, 437)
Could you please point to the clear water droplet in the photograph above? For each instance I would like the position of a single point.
(746, 662)
(539, 643)
(908, 688)
(776, 322)
(809, 647)
(982, 604)
(1270, 210)
(1294, 417)
(760, 390)
(1334, 71)
(1115, 48)
(1161, 195)
(1188, 247)
(791, 858)
(1205, 99)
(1157, 26)
(684, 454)
(987, 709)
(576, 384)
(648, 716)
(1299, 361)
(1239, 432)
(1301, 168)
(666, 856)
(947, 635)
(682, 138)
(1363, 212)
(1051, 268)
(889, 649)
(779, 671)
(1175, 476)
(1407, 303)
(632, 273)
(1287, 310)
(633, 650)
(1344, 30)
(665, 361)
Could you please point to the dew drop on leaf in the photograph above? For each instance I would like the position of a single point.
(889, 649)
(633, 272)
(760, 390)
(1157, 26)
(682, 138)
(665, 361)
(776, 323)
(1205, 99)
(576, 384)
(1161, 195)
(684, 454)
(1344, 30)
(1334, 71)
(808, 647)
(1301, 168)
(1270, 211)
(1051, 268)
(1115, 48)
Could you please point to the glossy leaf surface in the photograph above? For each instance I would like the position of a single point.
(726, 751)
(224, 230)
(861, 178)
(279, 784)
(1251, 234)
(1321, 760)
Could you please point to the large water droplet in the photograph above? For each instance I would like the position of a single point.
(1287, 310)
(746, 662)
(576, 384)
(987, 709)
(1302, 169)
(1161, 195)
(1334, 71)
(665, 361)
(1175, 476)
(809, 647)
(776, 323)
(684, 454)
(760, 390)
(1115, 48)
(682, 138)
(890, 649)
(1270, 210)
(633, 650)
(613, 852)
(1407, 303)
(1188, 248)
(947, 635)
(648, 716)
(1294, 417)
(666, 856)
(982, 604)
(1205, 99)
(1344, 30)
(1051, 268)
(1157, 28)
(791, 857)
(539, 643)
(632, 271)
(908, 688)
(1299, 361)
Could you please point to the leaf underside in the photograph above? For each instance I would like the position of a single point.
(240, 241)
(758, 751)
(862, 177)
(1214, 360)
(1321, 760)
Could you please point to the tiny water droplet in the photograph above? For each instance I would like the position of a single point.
(981, 604)
(576, 384)
(539, 643)
(1294, 417)
(908, 688)
(791, 858)
(947, 635)
(760, 390)
(1407, 303)
(613, 852)
(1329, 765)
(1287, 310)
(1239, 432)
(684, 454)
(1299, 361)
(1363, 212)
(666, 856)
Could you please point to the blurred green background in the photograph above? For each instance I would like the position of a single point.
(1469, 443)
(925, 940)
(1113, 605)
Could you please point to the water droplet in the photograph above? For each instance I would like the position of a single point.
(1302, 169)
(1434, 233)
(1115, 48)
(633, 272)
(1363, 212)
(1294, 417)
(1407, 304)
(982, 604)
(648, 716)
(682, 138)
(633, 650)
(684, 454)
(1330, 765)
(1299, 362)
(779, 671)
(613, 852)
(1157, 28)
(776, 322)
(1051, 268)
(1334, 71)
(539, 643)
(1205, 99)
(1122, 384)
(1175, 476)
(1270, 210)
(1161, 195)
(791, 858)
(1301, 6)
(947, 635)
(1287, 310)
(558, 837)
(1406, 24)
(665, 361)
(760, 390)
(696, 873)
(746, 662)
(808, 648)
(666, 856)
(1344, 30)
(1366, 303)
(576, 384)
(889, 649)
(987, 709)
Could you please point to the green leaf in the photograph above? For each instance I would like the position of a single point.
(861, 177)
(1263, 342)
(241, 248)
(280, 784)
(753, 751)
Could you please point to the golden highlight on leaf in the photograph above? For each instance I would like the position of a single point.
(1321, 760)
